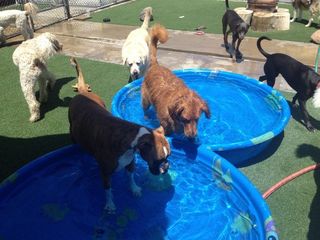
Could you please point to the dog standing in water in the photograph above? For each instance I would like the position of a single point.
(178, 107)
(113, 141)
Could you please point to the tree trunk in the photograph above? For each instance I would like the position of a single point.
(244, 13)
(264, 21)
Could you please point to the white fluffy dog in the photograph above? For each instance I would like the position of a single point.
(135, 51)
(31, 58)
(19, 19)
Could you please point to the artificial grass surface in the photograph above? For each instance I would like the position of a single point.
(196, 13)
(21, 141)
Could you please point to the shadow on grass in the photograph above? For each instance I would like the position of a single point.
(314, 214)
(266, 153)
(53, 97)
(16, 152)
(10, 44)
(305, 21)
(296, 115)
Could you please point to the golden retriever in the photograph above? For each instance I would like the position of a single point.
(178, 107)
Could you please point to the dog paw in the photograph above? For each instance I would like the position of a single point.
(310, 128)
(110, 207)
(136, 191)
(239, 55)
(34, 118)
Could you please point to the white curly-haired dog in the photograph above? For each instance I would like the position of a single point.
(21, 19)
(135, 50)
(31, 58)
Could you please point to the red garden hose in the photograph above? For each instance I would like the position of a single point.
(288, 179)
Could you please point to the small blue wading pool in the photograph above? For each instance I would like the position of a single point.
(245, 114)
(60, 196)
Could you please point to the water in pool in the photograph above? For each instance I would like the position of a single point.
(64, 200)
(239, 110)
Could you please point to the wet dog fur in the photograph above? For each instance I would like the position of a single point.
(178, 107)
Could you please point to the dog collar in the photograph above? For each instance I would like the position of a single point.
(142, 131)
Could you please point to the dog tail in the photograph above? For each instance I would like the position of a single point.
(146, 16)
(157, 33)
(81, 86)
(264, 53)
(31, 10)
(227, 4)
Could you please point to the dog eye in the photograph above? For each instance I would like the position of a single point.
(138, 63)
(184, 120)
(130, 64)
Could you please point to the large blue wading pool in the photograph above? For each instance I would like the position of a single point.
(245, 114)
(60, 196)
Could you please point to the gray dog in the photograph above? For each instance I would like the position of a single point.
(237, 27)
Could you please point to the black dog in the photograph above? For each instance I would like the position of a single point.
(304, 80)
(237, 26)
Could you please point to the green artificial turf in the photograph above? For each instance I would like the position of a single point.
(196, 13)
(22, 141)
(294, 202)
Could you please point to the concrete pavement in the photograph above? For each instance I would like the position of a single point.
(103, 42)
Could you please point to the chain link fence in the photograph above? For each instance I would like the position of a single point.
(53, 11)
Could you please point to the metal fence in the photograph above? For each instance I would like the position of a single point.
(53, 11)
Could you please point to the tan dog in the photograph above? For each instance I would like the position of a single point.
(113, 141)
(21, 19)
(135, 51)
(313, 6)
(178, 107)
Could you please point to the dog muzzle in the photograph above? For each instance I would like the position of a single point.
(160, 167)
(164, 166)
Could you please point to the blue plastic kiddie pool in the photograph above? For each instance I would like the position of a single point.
(60, 196)
(245, 114)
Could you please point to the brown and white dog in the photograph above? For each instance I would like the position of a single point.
(113, 141)
(178, 107)
(313, 6)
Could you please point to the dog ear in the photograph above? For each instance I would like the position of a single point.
(142, 60)
(205, 109)
(160, 130)
(144, 141)
(56, 45)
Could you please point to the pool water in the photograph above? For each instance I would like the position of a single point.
(240, 108)
(60, 196)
